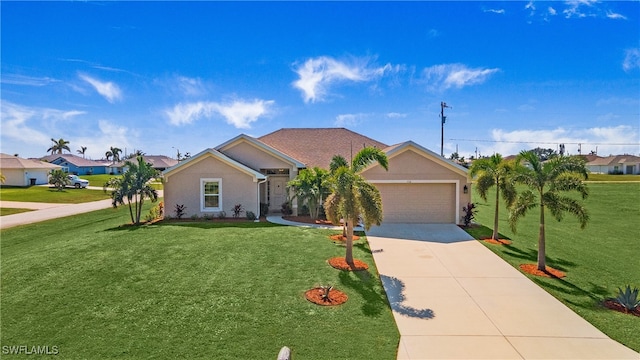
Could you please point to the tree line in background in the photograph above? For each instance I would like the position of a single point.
(112, 154)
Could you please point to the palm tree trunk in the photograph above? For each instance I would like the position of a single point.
(494, 236)
(542, 264)
(349, 244)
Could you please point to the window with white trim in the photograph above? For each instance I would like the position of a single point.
(211, 194)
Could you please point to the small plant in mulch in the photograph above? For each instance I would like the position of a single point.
(469, 214)
(179, 210)
(340, 237)
(548, 272)
(626, 301)
(326, 296)
(340, 263)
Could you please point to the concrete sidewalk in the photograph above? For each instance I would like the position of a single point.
(46, 211)
(452, 298)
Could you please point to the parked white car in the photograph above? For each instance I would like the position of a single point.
(77, 182)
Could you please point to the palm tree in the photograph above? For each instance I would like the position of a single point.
(494, 171)
(114, 153)
(82, 150)
(59, 179)
(133, 186)
(2, 178)
(547, 181)
(310, 185)
(58, 146)
(354, 198)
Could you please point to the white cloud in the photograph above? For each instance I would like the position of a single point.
(316, 75)
(108, 90)
(242, 113)
(349, 120)
(395, 115)
(552, 11)
(17, 124)
(631, 59)
(612, 15)
(190, 86)
(607, 140)
(15, 79)
(239, 113)
(495, 11)
(455, 75)
(576, 8)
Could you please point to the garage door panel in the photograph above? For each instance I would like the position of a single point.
(418, 203)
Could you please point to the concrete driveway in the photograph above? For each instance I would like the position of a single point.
(452, 298)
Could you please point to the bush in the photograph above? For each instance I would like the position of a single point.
(251, 215)
(264, 209)
(156, 212)
(304, 210)
(237, 210)
(222, 215)
(208, 216)
(179, 210)
(469, 214)
(628, 298)
(286, 208)
(194, 217)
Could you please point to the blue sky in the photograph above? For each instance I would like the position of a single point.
(162, 76)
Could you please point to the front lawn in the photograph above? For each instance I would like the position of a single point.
(597, 260)
(186, 290)
(51, 195)
(614, 178)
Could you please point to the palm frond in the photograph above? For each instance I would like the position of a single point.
(525, 202)
(367, 156)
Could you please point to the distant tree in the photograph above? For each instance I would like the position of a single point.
(454, 156)
(544, 154)
(310, 186)
(133, 187)
(82, 150)
(135, 154)
(58, 146)
(113, 153)
(2, 178)
(494, 171)
(353, 197)
(547, 183)
(59, 179)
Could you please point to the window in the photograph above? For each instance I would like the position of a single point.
(210, 194)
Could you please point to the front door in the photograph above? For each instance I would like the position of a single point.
(278, 192)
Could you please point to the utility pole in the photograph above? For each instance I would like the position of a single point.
(444, 119)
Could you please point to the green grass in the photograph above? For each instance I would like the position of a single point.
(191, 290)
(51, 195)
(597, 260)
(614, 178)
(11, 211)
(98, 180)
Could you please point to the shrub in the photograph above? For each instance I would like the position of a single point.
(304, 210)
(194, 217)
(155, 212)
(222, 215)
(179, 210)
(286, 208)
(237, 210)
(251, 215)
(264, 209)
(208, 216)
(469, 214)
(628, 298)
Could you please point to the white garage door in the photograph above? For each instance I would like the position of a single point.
(418, 203)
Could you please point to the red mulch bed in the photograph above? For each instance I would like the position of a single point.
(336, 297)
(614, 305)
(497, 241)
(341, 264)
(307, 220)
(549, 271)
(339, 237)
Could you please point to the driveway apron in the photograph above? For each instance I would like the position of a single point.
(452, 298)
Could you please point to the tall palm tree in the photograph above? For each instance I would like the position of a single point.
(353, 198)
(58, 146)
(310, 185)
(494, 171)
(133, 186)
(82, 151)
(113, 153)
(547, 182)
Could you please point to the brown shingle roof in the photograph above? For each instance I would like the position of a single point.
(316, 147)
(13, 162)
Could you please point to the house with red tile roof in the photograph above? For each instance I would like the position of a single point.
(419, 187)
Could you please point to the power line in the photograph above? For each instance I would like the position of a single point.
(543, 142)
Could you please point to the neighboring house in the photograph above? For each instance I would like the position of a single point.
(616, 164)
(25, 172)
(77, 165)
(420, 185)
(158, 162)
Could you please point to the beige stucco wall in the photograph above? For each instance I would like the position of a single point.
(183, 187)
(254, 157)
(20, 177)
(416, 185)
